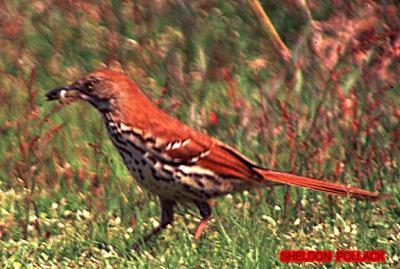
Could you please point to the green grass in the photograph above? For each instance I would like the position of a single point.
(66, 199)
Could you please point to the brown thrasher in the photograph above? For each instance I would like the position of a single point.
(172, 160)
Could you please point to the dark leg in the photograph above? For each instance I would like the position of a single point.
(205, 212)
(167, 217)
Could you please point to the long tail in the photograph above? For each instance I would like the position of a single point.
(318, 185)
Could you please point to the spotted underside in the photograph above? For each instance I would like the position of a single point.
(168, 177)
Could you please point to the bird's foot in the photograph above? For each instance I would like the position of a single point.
(202, 225)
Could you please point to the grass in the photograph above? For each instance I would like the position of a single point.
(66, 199)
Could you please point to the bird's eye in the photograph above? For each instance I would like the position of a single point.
(90, 85)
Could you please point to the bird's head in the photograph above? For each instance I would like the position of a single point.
(103, 89)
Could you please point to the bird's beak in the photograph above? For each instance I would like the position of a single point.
(63, 93)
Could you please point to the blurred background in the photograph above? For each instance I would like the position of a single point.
(328, 109)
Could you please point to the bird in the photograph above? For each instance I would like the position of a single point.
(175, 162)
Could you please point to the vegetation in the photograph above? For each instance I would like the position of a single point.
(331, 111)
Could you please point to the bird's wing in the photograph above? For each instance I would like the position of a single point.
(229, 163)
(192, 147)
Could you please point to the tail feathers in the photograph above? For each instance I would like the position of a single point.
(318, 185)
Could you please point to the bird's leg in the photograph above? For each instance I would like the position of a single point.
(205, 212)
(167, 217)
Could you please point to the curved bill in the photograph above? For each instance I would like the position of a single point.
(62, 93)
